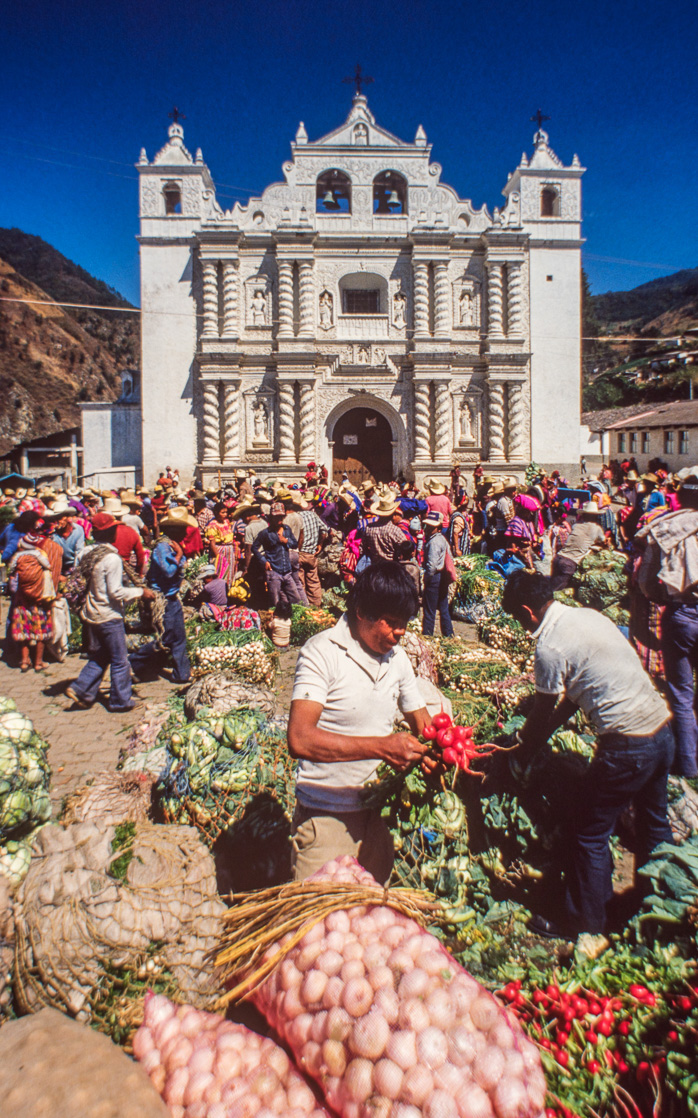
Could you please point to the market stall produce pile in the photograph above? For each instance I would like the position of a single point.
(246, 652)
(601, 582)
(376, 1010)
(25, 776)
(306, 622)
(207, 1067)
(232, 778)
(478, 591)
(106, 913)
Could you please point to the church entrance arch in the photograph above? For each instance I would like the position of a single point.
(362, 446)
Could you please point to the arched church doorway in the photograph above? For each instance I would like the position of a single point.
(362, 446)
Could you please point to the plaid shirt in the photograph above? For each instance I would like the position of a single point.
(381, 541)
(312, 527)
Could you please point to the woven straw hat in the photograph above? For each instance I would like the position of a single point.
(436, 488)
(113, 507)
(178, 518)
(385, 506)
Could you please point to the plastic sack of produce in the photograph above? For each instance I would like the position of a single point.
(207, 1067)
(376, 1010)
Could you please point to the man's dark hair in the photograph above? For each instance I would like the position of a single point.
(405, 550)
(383, 590)
(27, 520)
(526, 588)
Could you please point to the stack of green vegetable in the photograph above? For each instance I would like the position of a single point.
(502, 632)
(478, 592)
(601, 583)
(246, 652)
(25, 777)
(306, 622)
(232, 778)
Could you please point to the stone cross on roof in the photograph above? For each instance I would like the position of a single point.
(176, 115)
(358, 79)
(538, 118)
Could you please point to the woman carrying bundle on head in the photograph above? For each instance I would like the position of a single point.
(220, 534)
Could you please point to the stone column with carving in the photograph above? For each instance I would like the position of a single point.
(495, 300)
(231, 323)
(210, 289)
(422, 422)
(515, 308)
(306, 299)
(307, 420)
(443, 408)
(421, 300)
(518, 443)
(212, 422)
(231, 421)
(287, 422)
(285, 299)
(496, 423)
(442, 301)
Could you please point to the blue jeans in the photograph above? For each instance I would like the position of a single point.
(680, 652)
(435, 598)
(626, 770)
(106, 648)
(174, 637)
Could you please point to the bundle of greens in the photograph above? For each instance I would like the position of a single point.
(600, 583)
(25, 777)
(306, 622)
(478, 592)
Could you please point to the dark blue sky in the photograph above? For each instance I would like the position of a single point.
(84, 85)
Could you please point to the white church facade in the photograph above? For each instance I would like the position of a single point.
(359, 314)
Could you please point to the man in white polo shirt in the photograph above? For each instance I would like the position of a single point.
(350, 682)
(582, 660)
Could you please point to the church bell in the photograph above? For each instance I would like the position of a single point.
(330, 202)
(393, 200)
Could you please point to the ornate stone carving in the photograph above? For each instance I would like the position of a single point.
(363, 356)
(515, 306)
(151, 198)
(326, 307)
(518, 443)
(285, 299)
(212, 431)
(421, 300)
(442, 419)
(359, 135)
(466, 303)
(422, 421)
(306, 299)
(442, 298)
(307, 420)
(466, 422)
(230, 299)
(496, 423)
(258, 301)
(261, 423)
(399, 309)
(495, 299)
(287, 422)
(210, 298)
(231, 421)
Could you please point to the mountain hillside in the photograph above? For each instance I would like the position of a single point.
(661, 307)
(52, 358)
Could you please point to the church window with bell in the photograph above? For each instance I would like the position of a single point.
(333, 193)
(549, 202)
(173, 198)
(389, 194)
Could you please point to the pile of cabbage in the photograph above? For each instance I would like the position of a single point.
(231, 777)
(25, 777)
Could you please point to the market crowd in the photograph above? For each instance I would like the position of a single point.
(256, 545)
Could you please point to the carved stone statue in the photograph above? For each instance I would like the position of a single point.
(259, 308)
(261, 423)
(326, 310)
(399, 304)
(467, 311)
(466, 422)
(378, 355)
(361, 135)
(363, 357)
(346, 355)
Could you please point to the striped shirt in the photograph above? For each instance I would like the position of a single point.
(312, 527)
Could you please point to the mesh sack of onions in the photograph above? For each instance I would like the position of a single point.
(421, 655)
(105, 913)
(207, 1067)
(376, 1010)
(143, 751)
(111, 797)
(221, 692)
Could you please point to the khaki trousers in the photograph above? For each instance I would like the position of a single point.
(310, 578)
(319, 836)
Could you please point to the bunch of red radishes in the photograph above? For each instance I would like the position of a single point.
(456, 743)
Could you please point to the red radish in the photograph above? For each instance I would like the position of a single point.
(441, 720)
(429, 733)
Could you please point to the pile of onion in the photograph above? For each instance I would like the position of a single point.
(376, 1010)
(207, 1067)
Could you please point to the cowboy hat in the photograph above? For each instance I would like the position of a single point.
(652, 478)
(178, 518)
(509, 483)
(113, 506)
(497, 488)
(59, 509)
(248, 504)
(20, 494)
(262, 494)
(241, 475)
(73, 490)
(591, 508)
(435, 487)
(434, 520)
(128, 497)
(385, 506)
